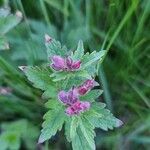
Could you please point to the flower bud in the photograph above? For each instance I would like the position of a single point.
(76, 65)
(71, 65)
(58, 63)
(86, 86)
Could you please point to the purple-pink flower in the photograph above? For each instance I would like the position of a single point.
(64, 64)
(77, 108)
(68, 98)
(71, 100)
(86, 86)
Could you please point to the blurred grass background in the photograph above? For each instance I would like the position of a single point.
(120, 27)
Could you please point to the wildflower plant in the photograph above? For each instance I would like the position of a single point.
(68, 82)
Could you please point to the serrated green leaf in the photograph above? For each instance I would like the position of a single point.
(55, 48)
(51, 92)
(79, 52)
(71, 125)
(84, 139)
(40, 77)
(88, 131)
(104, 118)
(79, 142)
(52, 104)
(92, 95)
(54, 120)
(89, 59)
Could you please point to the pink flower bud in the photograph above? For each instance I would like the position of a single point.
(86, 86)
(76, 65)
(72, 65)
(58, 63)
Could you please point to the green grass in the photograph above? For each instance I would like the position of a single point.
(120, 27)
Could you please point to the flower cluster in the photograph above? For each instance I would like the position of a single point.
(64, 64)
(71, 98)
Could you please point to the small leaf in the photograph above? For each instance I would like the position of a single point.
(89, 59)
(92, 95)
(79, 52)
(54, 120)
(54, 48)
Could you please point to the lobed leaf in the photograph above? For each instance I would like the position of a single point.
(54, 120)
(71, 125)
(84, 138)
(104, 118)
(40, 77)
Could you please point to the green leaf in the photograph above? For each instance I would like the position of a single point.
(40, 77)
(91, 95)
(54, 48)
(52, 104)
(104, 118)
(9, 22)
(88, 131)
(57, 76)
(54, 120)
(84, 138)
(89, 59)
(79, 52)
(71, 125)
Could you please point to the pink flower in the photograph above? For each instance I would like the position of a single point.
(68, 98)
(71, 100)
(72, 65)
(77, 108)
(59, 63)
(86, 86)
